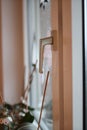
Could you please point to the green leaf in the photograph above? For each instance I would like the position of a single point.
(8, 106)
(28, 118)
(21, 105)
(4, 127)
(30, 108)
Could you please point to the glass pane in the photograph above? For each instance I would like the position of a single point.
(39, 26)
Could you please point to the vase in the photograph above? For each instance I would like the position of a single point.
(27, 126)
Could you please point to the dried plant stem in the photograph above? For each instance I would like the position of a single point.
(30, 79)
(44, 94)
(28, 87)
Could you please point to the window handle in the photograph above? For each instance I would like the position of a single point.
(52, 40)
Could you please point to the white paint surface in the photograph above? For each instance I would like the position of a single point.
(77, 65)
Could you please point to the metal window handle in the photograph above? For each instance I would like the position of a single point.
(47, 41)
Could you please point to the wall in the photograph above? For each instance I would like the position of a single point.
(77, 64)
(12, 49)
(1, 82)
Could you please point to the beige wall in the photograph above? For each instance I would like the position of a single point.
(12, 49)
(1, 84)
